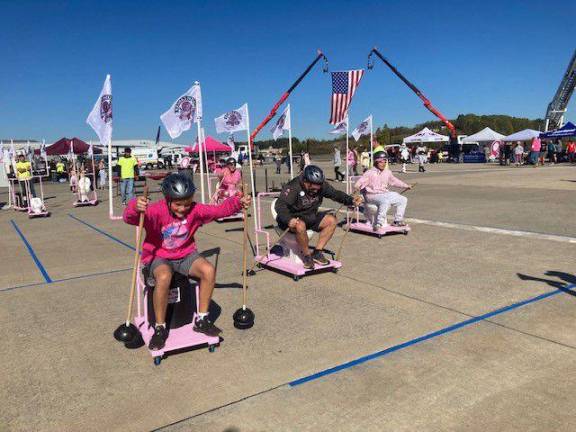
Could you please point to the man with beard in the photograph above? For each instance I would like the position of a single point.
(297, 209)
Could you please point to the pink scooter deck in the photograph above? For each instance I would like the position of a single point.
(39, 214)
(179, 338)
(366, 228)
(285, 265)
(85, 203)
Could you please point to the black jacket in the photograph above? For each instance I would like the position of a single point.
(293, 201)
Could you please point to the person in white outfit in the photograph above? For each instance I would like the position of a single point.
(404, 155)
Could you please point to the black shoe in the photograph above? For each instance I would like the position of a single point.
(399, 224)
(205, 326)
(319, 258)
(308, 262)
(158, 339)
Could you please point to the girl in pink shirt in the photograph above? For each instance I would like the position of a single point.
(230, 179)
(169, 246)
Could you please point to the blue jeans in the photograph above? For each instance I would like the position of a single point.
(127, 189)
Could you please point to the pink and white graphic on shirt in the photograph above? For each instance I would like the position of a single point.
(175, 234)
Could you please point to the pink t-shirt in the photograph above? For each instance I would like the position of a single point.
(169, 237)
(351, 158)
(375, 181)
(229, 180)
(536, 144)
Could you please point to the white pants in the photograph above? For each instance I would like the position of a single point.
(384, 201)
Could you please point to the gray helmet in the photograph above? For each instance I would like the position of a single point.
(178, 186)
(313, 174)
(380, 155)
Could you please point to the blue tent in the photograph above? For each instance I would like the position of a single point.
(568, 130)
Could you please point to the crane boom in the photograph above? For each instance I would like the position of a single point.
(320, 55)
(415, 89)
(557, 108)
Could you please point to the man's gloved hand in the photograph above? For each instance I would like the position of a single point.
(357, 199)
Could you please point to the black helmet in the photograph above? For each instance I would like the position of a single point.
(231, 160)
(380, 155)
(178, 186)
(313, 174)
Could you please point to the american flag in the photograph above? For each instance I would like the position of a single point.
(344, 85)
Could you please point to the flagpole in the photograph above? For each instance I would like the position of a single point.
(201, 157)
(290, 143)
(110, 180)
(347, 166)
(207, 168)
(371, 142)
(253, 184)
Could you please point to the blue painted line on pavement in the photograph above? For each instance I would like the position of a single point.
(426, 337)
(65, 279)
(110, 236)
(32, 253)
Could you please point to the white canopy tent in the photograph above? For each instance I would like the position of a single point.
(425, 135)
(485, 135)
(523, 135)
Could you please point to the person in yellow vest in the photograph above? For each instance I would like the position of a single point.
(60, 168)
(24, 172)
(127, 164)
(377, 147)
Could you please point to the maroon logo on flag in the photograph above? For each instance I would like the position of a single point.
(233, 118)
(281, 121)
(363, 127)
(106, 108)
(185, 107)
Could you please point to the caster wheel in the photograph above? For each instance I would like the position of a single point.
(335, 270)
(379, 236)
(296, 278)
(157, 360)
(405, 232)
(211, 348)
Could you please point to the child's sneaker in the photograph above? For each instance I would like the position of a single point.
(399, 224)
(158, 339)
(319, 258)
(205, 326)
(308, 262)
(376, 227)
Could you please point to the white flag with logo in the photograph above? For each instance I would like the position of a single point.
(43, 150)
(12, 151)
(28, 151)
(187, 109)
(4, 154)
(233, 121)
(100, 118)
(363, 128)
(283, 123)
(341, 127)
(71, 150)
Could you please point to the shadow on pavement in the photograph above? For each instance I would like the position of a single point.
(562, 280)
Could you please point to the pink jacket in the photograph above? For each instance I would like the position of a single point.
(229, 180)
(375, 181)
(536, 144)
(169, 237)
(351, 158)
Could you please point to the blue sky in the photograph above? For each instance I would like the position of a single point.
(485, 57)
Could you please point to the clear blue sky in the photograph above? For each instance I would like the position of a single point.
(485, 57)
